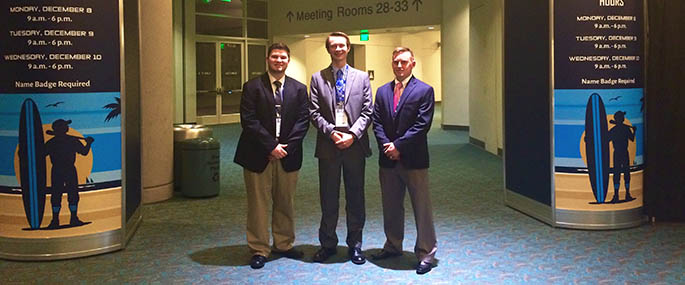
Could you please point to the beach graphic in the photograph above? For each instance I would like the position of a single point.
(59, 152)
(598, 139)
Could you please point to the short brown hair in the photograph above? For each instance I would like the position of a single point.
(337, 34)
(399, 50)
(280, 46)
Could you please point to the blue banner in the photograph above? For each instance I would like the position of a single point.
(60, 115)
(598, 103)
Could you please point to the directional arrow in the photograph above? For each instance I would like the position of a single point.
(417, 3)
(290, 16)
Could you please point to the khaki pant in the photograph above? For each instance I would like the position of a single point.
(395, 182)
(272, 189)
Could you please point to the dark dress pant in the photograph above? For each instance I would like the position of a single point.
(351, 162)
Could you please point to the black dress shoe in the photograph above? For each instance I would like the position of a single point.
(257, 261)
(356, 255)
(423, 267)
(324, 253)
(385, 254)
(291, 253)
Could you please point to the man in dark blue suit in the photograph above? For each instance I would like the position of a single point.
(275, 119)
(403, 113)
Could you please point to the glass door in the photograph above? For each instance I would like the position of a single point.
(206, 82)
(219, 81)
(231, 81)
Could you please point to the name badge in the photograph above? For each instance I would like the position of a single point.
(278, 121)
(340, 116)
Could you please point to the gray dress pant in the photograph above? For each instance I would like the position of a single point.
(352, 163)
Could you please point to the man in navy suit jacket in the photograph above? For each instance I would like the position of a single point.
(403, 113)
(275, 119)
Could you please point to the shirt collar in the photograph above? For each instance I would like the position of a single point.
(405, 81)
(335, 69)
(272, 79)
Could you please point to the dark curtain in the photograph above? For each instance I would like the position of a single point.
(665, 104)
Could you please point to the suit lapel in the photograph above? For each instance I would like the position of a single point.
(351, 76)
(268, 92)
(288, 91)
(327, 75)
(389, 100)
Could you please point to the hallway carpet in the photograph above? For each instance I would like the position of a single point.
(480, 240)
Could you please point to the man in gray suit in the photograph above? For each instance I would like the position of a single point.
(340, 108)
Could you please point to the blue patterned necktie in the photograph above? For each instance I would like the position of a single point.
(340, 87)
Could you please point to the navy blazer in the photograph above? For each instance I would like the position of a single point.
(408, 127)
(258, 119)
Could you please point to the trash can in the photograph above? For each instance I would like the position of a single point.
(183, 132)
(200, 174)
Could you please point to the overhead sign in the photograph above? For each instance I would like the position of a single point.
(312, 16)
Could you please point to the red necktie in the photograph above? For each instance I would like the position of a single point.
(397, 93)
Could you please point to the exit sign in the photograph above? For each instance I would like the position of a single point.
(364, 35)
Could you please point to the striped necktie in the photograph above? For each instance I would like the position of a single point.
(397, 93)
(278, 97)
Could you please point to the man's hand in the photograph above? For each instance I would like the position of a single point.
(278, 152)
(336, 136)
(344, 141)
(391, 151)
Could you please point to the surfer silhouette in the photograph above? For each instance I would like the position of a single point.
(62, 149)
(619, 136)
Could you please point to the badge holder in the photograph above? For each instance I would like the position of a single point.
(340, 117)
(278, 121)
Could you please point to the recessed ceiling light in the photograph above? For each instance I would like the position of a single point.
(431, 27)
(306, 36)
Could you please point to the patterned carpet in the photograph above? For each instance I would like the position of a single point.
(480, 241)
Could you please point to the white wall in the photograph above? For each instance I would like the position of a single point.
(485, 69)
(297, 68)
(379, 49)
(454, 67)
(425, 46)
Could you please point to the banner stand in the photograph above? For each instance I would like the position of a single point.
(69, 128)
(574, 112)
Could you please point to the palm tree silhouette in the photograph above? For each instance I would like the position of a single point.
(115, 107)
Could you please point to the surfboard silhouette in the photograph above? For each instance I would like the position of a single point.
(597, 147)
(32, 163)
